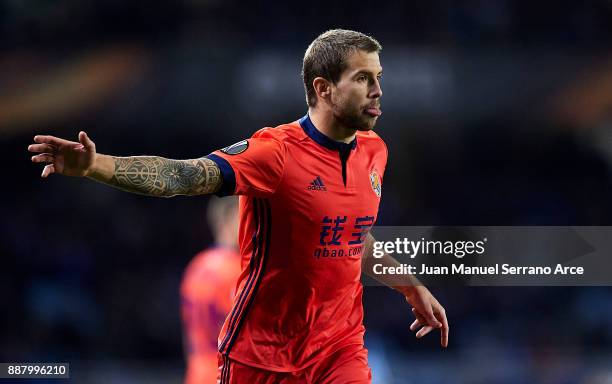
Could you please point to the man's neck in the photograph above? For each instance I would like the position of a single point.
(226, 240)
(328, 125)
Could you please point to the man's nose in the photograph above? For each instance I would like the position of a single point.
(376, 91)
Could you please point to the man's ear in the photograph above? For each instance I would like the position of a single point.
(322, 87)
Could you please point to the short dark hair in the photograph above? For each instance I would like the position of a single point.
(327, 54)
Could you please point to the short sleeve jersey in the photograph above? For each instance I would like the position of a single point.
(207, 292)
(306, 204)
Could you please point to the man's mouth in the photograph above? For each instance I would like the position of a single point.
(373, 111)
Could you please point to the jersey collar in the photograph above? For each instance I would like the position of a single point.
(323, 140)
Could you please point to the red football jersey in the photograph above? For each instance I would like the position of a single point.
(306, 205)
(207, 292)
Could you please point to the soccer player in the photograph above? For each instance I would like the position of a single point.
(309, 193)
(207, 291)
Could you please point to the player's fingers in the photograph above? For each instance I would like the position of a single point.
(47, 170)
(39, 148)
(419, 317)
(86, 141)
(424, 331)
(431, 318)
(444, 330)
(43, 158)
(415, 325)
(46, 139)
(417, 314)
(444, 335)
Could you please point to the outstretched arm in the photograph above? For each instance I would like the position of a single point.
(428, 311)
(146, 175)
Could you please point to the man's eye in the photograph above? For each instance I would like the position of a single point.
(361, 78)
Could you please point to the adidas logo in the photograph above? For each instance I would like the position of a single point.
(317, 185)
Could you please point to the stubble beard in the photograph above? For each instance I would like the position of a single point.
(353, 117)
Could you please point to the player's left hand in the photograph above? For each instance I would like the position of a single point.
(429, 314)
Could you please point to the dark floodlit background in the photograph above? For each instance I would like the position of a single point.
(495, 113)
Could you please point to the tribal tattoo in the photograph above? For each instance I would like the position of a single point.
(157, 176)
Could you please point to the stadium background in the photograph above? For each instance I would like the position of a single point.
(495, 113)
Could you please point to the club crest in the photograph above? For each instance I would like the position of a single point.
(375, 182)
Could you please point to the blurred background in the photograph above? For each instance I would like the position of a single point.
(495, 113)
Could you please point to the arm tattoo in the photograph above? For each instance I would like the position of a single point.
(157, 176)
